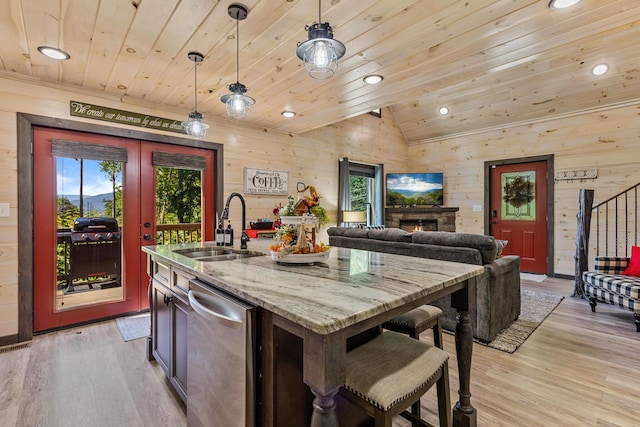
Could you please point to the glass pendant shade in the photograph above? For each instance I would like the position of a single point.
(195, 126)
(321, 52)
(238, 104)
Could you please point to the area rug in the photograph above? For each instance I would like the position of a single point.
(534, 308)
(134, 327)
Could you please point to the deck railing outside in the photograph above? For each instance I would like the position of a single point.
(178, 233)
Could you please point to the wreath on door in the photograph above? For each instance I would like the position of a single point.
(518, 192)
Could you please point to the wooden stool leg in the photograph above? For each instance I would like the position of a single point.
(444, 398)
(437, 334)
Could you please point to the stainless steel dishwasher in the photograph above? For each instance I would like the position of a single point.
(221, 359)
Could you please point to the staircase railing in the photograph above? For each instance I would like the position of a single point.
(616, 229)
(617, 223)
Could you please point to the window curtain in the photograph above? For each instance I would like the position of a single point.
(377, 207)
(375, 192)
(344, 190)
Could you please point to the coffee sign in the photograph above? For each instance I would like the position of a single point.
(266, 182)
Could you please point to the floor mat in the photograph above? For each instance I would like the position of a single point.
(533, 277)
(134, 327)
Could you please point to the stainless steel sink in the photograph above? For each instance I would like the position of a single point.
(216, 253)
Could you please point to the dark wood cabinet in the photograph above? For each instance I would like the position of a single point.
(169, 319)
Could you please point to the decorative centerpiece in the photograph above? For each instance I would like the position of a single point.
(296, 235)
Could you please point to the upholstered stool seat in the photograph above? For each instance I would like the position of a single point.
(417, 320)
(386, 375)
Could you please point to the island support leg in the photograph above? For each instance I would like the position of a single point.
(324, 409)
(464, 414)
(324, 373)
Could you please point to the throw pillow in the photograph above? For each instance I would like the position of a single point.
(634, 263)
(500, 244)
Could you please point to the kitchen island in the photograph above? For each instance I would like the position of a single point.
(325, 304)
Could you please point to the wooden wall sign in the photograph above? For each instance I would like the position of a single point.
(113, 115)
(266, 182)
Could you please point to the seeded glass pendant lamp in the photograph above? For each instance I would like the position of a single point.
(238, 104)
(195, 126)
(321, 52)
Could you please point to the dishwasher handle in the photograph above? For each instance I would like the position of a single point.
(210, 314)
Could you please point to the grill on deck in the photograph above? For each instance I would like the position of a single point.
(95, 251)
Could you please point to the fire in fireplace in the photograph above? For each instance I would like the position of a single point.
(419, 224)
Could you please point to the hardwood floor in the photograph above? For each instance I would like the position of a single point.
(86, 376)
(576, 369)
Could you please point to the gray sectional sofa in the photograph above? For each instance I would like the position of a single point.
(497, 289)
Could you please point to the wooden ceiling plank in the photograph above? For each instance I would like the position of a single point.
(14, 47)
(111, 26)
(76, 37)
(139, 42)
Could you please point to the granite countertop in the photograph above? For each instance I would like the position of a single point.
(350, 286)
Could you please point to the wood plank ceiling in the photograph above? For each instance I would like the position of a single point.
(490, 62)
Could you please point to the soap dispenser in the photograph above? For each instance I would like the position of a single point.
(220, 234)
(228, 236)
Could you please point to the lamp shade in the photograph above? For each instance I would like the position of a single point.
(354, 216)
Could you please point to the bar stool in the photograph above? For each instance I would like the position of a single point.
(412, 323)
(388, 374)
(417, 320)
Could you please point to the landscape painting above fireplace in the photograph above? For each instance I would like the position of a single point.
(415, 189)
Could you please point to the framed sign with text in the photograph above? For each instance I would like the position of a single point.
(266, 182)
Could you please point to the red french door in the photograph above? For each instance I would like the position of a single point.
(57, 305)
(519, 212)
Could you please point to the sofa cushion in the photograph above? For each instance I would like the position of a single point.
(391, 235)
(625, 286)
(611, 265)
(500, 245)
(356, 232)
(485, 244)
(336, 231)
(634, 263)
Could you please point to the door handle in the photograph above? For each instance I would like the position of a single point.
(147, 237)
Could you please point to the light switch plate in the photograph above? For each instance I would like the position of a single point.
(477, 208)
(4, 210)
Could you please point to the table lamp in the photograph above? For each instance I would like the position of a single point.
(354, 217)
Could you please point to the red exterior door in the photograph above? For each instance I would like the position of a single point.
(518, 212)
(136, 220)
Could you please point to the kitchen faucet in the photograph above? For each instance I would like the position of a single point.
(225, 215)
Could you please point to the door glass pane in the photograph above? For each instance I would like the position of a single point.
(518, 198)
(178, 205)
(89, 232)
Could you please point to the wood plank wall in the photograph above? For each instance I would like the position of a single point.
(311, 158)
(607, 140)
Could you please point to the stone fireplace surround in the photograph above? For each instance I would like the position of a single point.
(438, 217)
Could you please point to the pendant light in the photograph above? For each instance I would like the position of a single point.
(238, 103)
(321, 52)
(195, 126)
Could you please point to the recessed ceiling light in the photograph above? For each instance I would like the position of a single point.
(600, 69)
(288, 114)
(444, 111)
(373, 79)
(53, 53)
(561, 4)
